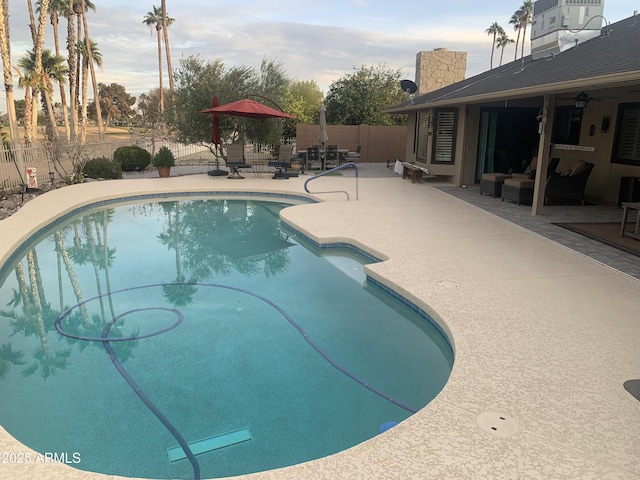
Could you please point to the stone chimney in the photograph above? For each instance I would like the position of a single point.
(439, 68)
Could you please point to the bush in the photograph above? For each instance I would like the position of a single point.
(102, 168)
(132, 158)
(163, 158)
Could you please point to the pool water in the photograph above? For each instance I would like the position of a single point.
(261, 333)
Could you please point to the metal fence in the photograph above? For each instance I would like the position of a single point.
(37, 164)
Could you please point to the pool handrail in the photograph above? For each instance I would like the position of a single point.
(335, 169)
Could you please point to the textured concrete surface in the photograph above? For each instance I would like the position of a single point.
(544, 337)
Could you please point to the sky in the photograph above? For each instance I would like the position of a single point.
(319, 41)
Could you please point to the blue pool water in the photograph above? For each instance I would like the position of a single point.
(225, 320)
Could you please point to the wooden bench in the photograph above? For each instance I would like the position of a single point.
(413, 171)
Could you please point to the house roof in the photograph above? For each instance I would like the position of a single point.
(611, 59)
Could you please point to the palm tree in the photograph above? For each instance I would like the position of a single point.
(516, 21)
(527, 11)
(53, 68)
(495, 29)
(29, 81)
(72, 61)
(89, 53)
(5, 53)
(501, 42)
(84, 86)
(156, 19)
(165, 30)
(57, 8)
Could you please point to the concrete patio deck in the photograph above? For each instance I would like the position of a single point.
(544, 336)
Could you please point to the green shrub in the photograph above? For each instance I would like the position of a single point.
(163, 158)
(132, 158)
(102, 168)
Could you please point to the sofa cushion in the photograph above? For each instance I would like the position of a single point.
(578, 168)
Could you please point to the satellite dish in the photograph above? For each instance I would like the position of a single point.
(408, 86)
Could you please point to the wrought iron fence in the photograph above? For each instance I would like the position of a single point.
(40, 164)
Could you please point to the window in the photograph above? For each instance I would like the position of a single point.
(444, 143)
(566, 126)
(627, 143)
(424, 128)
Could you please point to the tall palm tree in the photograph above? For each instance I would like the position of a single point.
(166, 21)
(501, 42)
(86, 65)
(81, 12)
(495, 29)
(73, 63)
(77, 9)
(156, 19)
(516, 21)
(57, 8)
(527, 12)
(5, 53)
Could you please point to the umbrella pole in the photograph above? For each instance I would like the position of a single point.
(217, 172)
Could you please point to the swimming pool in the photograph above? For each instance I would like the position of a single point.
(249, 299)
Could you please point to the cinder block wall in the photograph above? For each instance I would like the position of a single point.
(379, 143)
(438, 68)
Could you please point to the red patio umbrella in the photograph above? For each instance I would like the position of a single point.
(215, 134)
(247, 108)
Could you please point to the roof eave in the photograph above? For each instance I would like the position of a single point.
(603, 81)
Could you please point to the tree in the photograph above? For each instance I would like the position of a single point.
(87, 65)
(53, 68)
(197, 82)
(73, 62)
(20, 108)
(37, 35)
(57, 8)
(516, 21)
(167, 50)
(301, 100)
(526, 11)
(269, 86)
(81, 11)
(5, 53)
(494, 30)
(156, 19)
(359, 98)
(501, 42)
(149, 107)
(115, 103)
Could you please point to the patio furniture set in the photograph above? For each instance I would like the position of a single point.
(311, 158)
(518, 187)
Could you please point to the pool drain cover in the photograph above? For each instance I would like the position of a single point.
(498, 424)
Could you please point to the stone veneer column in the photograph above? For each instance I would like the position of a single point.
(438, 68)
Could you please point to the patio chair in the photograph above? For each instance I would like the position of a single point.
(283, 162)
(235, 160)
(571, 186)
(354, 156)
(313, 157)
(331, 157)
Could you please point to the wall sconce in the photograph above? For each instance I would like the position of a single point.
(581, 100)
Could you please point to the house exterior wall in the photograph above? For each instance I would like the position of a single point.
(595, 146)
(379, 143)
(604, 181)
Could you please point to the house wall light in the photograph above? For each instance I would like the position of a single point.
(581, 100)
